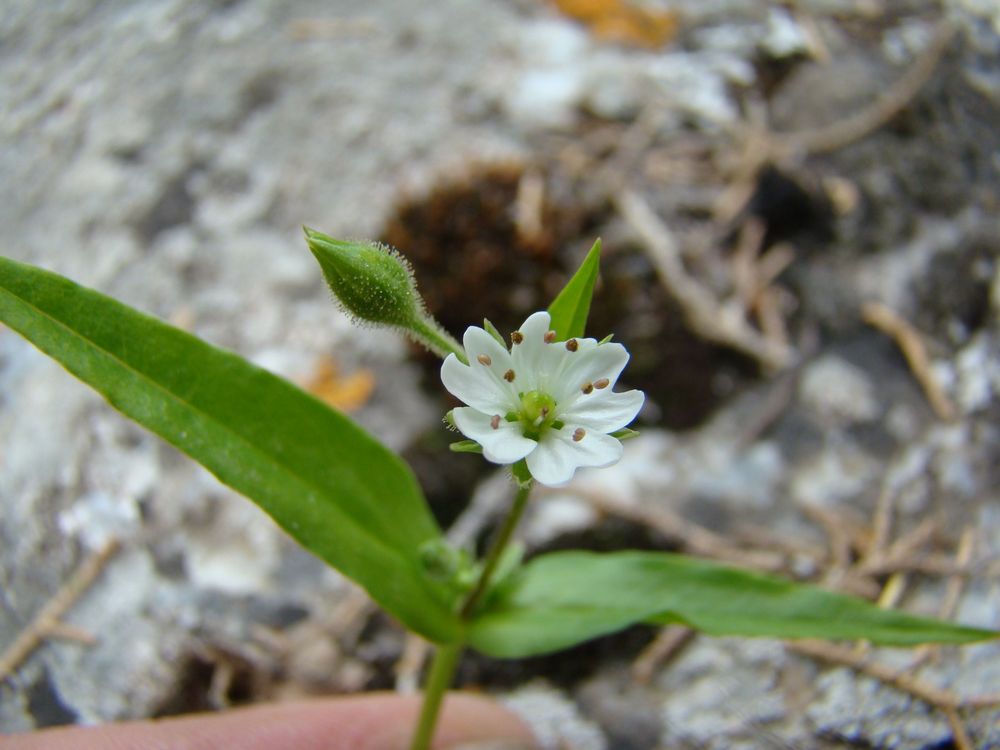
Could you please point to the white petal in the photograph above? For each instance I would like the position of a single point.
(558, 456)
(534, 360)
(588, 365)
(536, 326)
(479, 343)
(504, 445)
(604, 410)
(474, 387)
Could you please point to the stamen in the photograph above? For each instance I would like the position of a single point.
(484, 359)
(544, 412)
(509, 376)
(572, 345)
(602, 383)
(550, 336)
(578, 434)
(517, 337)
(495, 422)
(587, 388)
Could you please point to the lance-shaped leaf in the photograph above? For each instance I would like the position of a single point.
(329, 484)
(570, 308)
(564, 598)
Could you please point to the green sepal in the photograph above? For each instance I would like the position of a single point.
(466, 446)
(521, 474)
(492, 331)
(625, 434)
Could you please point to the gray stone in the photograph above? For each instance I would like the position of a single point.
(168, 153)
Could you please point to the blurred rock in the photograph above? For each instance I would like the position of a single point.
(167, 155)
(554, 719)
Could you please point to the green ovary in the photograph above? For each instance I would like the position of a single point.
(538, 412)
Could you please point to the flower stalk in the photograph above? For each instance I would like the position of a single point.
(496, 551)
(546, 408)
(446, 657)
(439, 679)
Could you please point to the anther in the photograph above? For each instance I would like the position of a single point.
(495, 422)
(550, 336)
(578, 434)
(544, 412)
(517, 337)
(509, 376)
(602, 383)
(484, 359)
(587, 388)
(572, 345)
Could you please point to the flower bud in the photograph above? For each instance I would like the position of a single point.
(374, 283)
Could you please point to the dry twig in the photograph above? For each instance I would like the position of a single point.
(956, 584)
(722, 322)
(952, 594)
(839, 542)
(47, 622)
(862, 662)
(529, 206)
(410, 664)
(690, 536)
(758, 146)
(881, 552)
(958, 734)
(772, 406)
(350, 615)
(882, 110)
(668, 642)
(903, 549)
(912, 346)
(882, 521)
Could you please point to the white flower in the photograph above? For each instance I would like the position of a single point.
(549, 402)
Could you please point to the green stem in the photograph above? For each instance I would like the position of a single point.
(493, 558)
(446, 657)
(438, 681)
(434, 337)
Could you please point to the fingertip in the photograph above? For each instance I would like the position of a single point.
(474, 722)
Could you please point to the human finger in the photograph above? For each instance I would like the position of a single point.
(372, 721)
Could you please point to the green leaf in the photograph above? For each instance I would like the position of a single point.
(564, 598)
(571, 306)
(329, 484)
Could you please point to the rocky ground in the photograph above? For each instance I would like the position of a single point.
(799, 207)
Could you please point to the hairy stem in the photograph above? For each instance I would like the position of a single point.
(427, 331)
